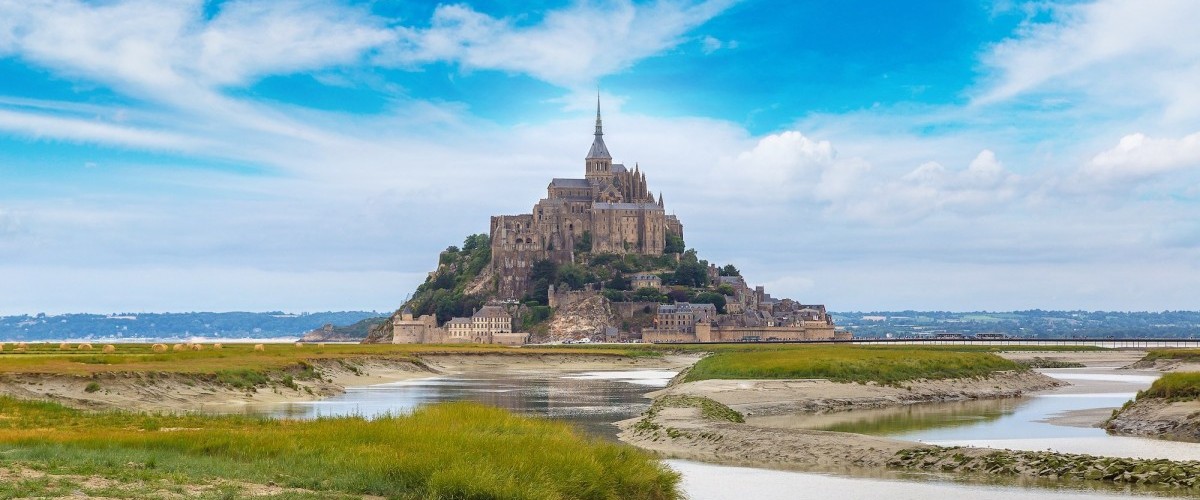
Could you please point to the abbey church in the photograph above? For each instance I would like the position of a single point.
(611, 208)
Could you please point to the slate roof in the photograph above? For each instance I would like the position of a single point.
(570, 183)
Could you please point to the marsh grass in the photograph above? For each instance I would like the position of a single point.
(1178, 386)
(1192, 355)
(451, 450)
(847, 363)
(47, 358)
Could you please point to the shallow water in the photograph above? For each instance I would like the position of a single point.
(593, 400)
(1019, 424)
(716, 482)
(590, 400)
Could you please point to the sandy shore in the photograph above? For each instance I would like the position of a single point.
(767, 439)
(141, 391)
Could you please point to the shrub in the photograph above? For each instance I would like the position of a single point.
(91, 387)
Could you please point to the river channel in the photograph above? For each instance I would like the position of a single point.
(593, 400)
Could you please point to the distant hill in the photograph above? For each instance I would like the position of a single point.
(171, 325)
(1033, 323)
(349, 333)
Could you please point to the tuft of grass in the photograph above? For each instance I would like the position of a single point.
(842, 363)
(450, 450)
(709, 408)
(92, 387)
(242, 378)
(1179, 386)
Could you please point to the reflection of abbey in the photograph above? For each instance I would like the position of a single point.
(611, 206)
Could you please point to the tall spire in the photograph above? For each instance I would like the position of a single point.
(599, 126)
(599, 150)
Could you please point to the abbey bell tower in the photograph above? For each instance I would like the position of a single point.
(598, 162)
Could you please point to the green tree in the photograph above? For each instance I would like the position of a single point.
(614, 295)
(647, 294)
(729, 270)
(542, 274)
(618, 282)
(691, 271)
(725, 289)
(674, 244)
(475, 242)
(585, 242)
(573, 275)
(715, 299)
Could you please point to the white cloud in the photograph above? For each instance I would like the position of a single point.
(570, 47)
(1119, 52)
(165, 47)
(1137, 157)
(790, 167)
(38, 125)
(710, 44)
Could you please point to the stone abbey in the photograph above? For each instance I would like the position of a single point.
(610, 210)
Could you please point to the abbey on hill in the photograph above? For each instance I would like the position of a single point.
(598, 258)
(610, 210)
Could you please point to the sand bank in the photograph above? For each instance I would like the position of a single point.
(759, 442)
(161, 391)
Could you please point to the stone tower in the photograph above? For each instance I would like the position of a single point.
(598, 161)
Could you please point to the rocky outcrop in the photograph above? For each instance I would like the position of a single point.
(1158, 418)
(348, 333)
(585, 318)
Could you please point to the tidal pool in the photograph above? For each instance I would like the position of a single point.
(593, 400)
(1029, 423)
(590, 400)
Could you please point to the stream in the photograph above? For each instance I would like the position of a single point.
(593, 400)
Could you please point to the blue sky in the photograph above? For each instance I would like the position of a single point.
(869, 155)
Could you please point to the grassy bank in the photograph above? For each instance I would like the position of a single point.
(847, 363)
(456, 450)
(1182, 355)
(133, 358)
(1174, 386)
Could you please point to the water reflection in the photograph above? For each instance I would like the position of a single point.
(899, 420)
(591, 400)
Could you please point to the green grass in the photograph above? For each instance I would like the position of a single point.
(845, 363)
(1174, 386)
(139, 358)
(453, 450)
(1192, 355)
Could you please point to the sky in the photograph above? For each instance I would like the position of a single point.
(188, 155)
